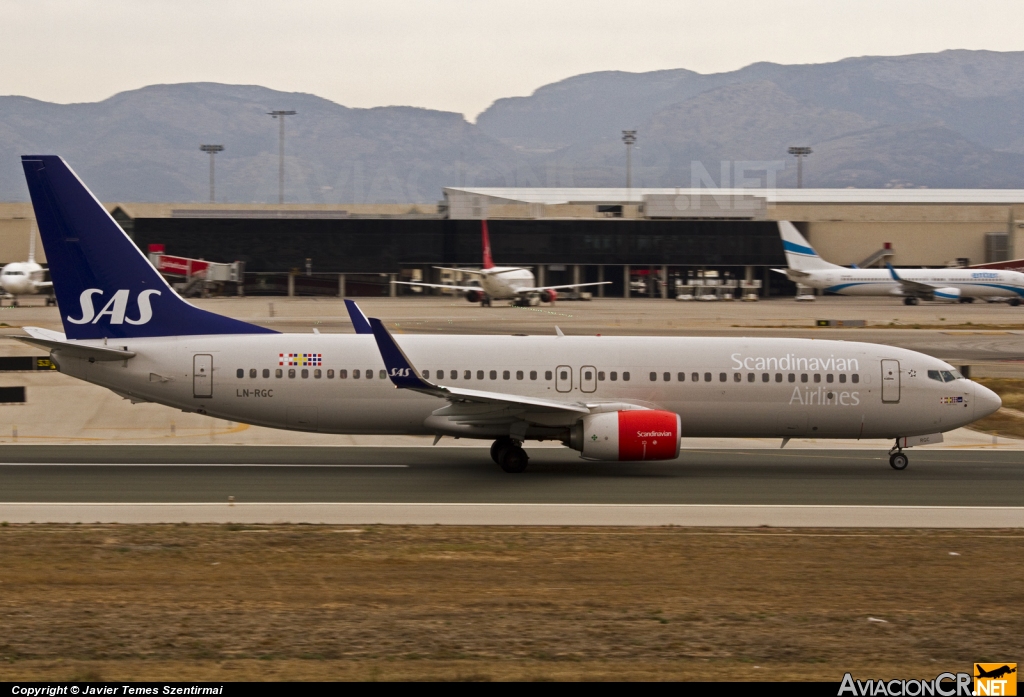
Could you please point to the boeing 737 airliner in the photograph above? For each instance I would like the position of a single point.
(913, 285)
(611, 398)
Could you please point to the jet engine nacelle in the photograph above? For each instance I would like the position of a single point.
(474, 296)
(548, 296)
(641, 434)
(950, 294)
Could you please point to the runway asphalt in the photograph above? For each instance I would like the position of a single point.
(211, 474)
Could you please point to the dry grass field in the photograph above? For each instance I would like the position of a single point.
(118, 602)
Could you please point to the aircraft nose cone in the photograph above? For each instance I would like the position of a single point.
(985, 401)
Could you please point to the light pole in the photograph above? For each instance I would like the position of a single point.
(213, 150)
(280, 152)
(801, 152)
(629, 138)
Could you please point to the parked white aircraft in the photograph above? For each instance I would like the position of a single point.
(611, 398)
(913, 285)
(513, 283)
(26, 277)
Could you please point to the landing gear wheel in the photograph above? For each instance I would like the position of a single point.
(1015, 302)
(898, 461)
(513, 459)
(498, 446)
(910, 301)
(485, 301)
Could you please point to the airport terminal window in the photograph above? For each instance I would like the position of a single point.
(343, 374)
(765, 377)
(803, 377)
(305, 372)
(266, 372)
(494, 375)
(695, 377)
(817, 377)
(736, 377)
(750, 377)
(600, 375)
(778, 377)
(613, 376)
(829, 378)
(681, 377)
(356, 374)
(842, 377)
(479, 375)
(506, 375)
(722, 377)
(533, 374)
(240, 373)
(252, 372)
(278, 373)
(330, 373)
(291, 372)
(625, 376)
(317, 373)
(666, 376)
(654, 376)
(855, 378)
(547, 374)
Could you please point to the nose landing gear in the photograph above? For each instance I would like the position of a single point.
(509, 455)
(897, 460)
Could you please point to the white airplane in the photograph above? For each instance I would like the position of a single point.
(26, 277)
(610, 398)
(913, 285)
(513, 283)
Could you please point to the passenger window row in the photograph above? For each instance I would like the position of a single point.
(317, 373)
(368, 374)
(765, 377)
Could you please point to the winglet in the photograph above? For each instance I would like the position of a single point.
(400, 369)
(359, 321)
(892, 272)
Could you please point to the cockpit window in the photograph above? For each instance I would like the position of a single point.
(14, 273)
(944, 375)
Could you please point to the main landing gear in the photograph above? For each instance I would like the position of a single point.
(509, 454)
(897, 460)
(911, 301)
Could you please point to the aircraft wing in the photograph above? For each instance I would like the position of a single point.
(478, 272)
(405, 376)
(911, 287)
(44, 284)
(55, 341)
(438, 285)
(568, 285)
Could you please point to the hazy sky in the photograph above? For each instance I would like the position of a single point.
(454, 54)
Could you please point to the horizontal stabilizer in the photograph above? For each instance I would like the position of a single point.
(57, 343)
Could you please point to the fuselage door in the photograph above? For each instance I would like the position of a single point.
(563, 378)
(890, 381)
(588, 378)
(202, 376)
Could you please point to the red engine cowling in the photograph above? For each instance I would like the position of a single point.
(548, 296)
(474, 296)
(642, 434)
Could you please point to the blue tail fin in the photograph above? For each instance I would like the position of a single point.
(105, 287)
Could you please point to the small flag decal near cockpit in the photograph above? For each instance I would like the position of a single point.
(310, 360)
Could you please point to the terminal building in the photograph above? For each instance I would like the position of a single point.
(646, 242)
